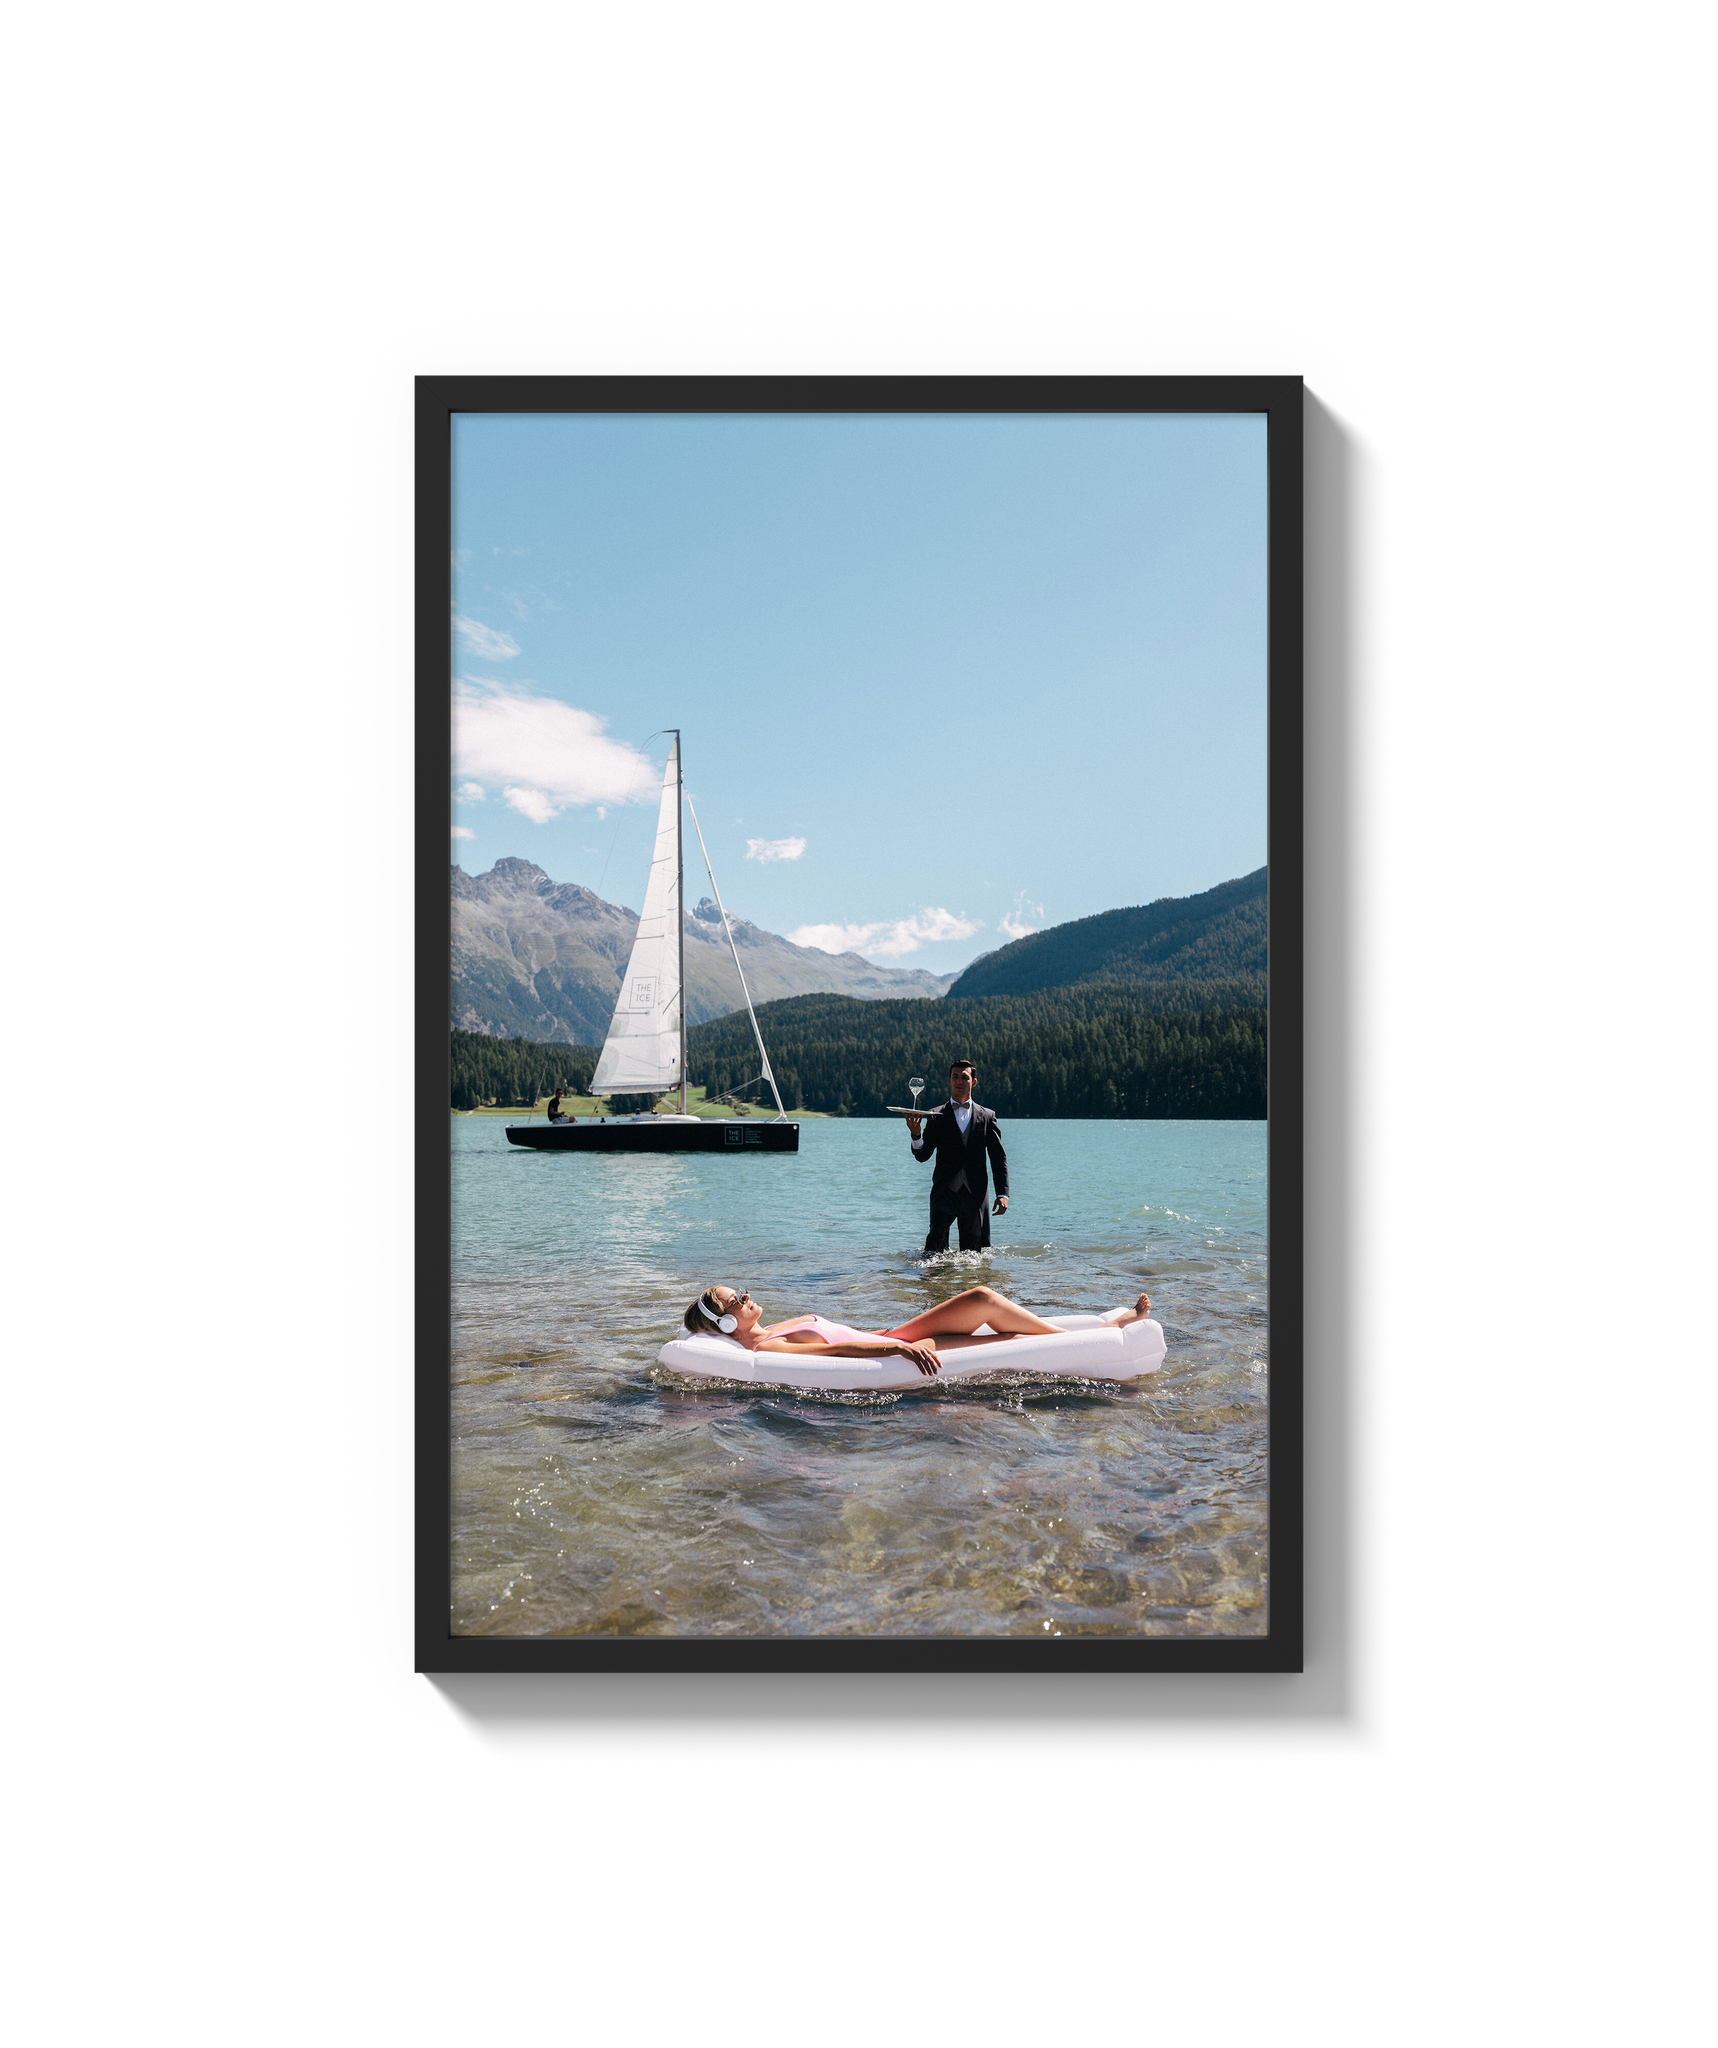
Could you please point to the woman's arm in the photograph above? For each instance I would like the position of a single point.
(923, 1355)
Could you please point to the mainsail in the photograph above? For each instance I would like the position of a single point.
(641, 1054)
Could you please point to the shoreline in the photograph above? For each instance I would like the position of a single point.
(585, 1109)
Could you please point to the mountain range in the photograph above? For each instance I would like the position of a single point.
(541, 959)
(1217, 939)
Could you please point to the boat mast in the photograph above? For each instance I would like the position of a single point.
(768, 1072)
(680, 897)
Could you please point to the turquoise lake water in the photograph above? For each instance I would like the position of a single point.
(595, 1493)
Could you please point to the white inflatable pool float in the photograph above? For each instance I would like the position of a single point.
(1085, 1348)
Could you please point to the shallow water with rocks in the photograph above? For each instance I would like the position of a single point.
(595, 1493)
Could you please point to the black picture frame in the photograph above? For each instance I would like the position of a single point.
(1281, 400)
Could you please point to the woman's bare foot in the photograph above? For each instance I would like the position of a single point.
(1137, 1314)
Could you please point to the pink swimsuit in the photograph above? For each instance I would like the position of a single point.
(827, 1332)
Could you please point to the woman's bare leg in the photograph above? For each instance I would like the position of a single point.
(961, 1316)
(954, 1321)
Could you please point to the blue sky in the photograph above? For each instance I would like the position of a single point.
(941, 679)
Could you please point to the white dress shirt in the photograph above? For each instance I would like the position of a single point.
(962, 1117)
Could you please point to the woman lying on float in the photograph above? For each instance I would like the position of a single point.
(950, 1326)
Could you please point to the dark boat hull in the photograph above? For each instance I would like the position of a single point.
(732, 1138)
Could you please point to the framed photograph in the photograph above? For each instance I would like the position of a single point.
(859, 1024)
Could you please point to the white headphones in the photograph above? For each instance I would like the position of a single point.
(726, 1324)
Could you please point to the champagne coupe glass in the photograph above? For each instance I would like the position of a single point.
(917, 1085)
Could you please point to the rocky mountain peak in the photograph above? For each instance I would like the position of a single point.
(512, 873)
(543, 959)
(574, 896)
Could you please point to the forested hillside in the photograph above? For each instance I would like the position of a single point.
(1218, 937)
(1089, 1052)
(1097, 1052)
(512, 1072)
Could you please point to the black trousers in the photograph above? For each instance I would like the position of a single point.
(973, 1219)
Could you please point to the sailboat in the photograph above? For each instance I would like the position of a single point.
(645, 1051)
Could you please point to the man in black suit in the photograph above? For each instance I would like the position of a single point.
(961, 1135)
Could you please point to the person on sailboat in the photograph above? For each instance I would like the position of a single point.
(949, 1326)
(556, 1113)
(960, 1135)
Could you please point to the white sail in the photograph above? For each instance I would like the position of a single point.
(641, 1054)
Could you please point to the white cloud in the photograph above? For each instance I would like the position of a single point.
(547, 756)
(833, 938)
(486, 644)
(1014, 923)
(534, 804)
(463, 832)
(888, 938)
(774, 849)
(470, 792)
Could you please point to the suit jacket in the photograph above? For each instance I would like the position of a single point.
(956, 1156)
